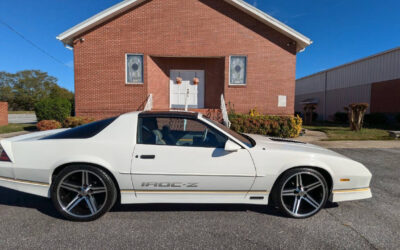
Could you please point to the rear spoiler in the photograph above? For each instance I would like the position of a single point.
(34, 136)
(6, 144)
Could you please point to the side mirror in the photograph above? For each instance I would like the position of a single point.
(230, 146)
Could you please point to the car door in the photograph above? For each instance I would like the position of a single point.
(183, 159)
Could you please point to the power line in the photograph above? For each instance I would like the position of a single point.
(33, 44)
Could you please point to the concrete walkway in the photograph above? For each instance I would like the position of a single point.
(358, 144)
(22, 118)
(317, 138)
(9, 135)
(312, 136)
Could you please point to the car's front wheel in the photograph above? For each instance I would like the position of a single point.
(83, 192)
(301, 192)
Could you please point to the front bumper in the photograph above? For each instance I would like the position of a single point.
(350, 194)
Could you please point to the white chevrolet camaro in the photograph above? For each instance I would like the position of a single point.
(175, 157)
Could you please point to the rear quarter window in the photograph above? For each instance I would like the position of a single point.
(83, 132)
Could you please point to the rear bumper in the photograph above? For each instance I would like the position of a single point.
(350, 194)
(36, 188)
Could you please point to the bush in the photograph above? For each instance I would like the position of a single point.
(375, 119)
(299, 114)
(341, 117)
(72, 122)
(279, 126)
(315, 116)
(48, 125)
(53, 109)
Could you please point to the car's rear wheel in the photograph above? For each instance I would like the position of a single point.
(83, 192)
(301, 192)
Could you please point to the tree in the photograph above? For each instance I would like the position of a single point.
(24, 89)
(356, 112)
(6, 87)
(308, 113)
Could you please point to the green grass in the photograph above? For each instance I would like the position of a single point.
(340, 133)
(10, 128)
(21, 112)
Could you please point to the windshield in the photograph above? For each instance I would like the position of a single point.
(247, 140)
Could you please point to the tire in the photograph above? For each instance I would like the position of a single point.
(301, 193)
(83, 193)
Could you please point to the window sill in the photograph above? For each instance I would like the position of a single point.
(237, 86)
(134, 84)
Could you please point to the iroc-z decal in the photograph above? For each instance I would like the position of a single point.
(170, 184)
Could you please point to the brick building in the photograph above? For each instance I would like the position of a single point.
(174, 49)
(3, 113)
(374, 80)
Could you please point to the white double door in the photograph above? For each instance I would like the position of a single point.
(187, 91)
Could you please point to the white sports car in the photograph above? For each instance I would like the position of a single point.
(175, 157)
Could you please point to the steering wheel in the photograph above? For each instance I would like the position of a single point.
(205, 133)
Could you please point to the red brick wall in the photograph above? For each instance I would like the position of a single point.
(182, 28)
(385, 97)
(3, 113)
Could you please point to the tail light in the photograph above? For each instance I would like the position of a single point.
(3, 155)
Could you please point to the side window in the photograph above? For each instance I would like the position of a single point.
(178, 132)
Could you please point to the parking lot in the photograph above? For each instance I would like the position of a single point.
(31, 222)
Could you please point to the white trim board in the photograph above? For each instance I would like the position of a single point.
(68, 36)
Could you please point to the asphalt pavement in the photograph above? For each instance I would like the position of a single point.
(28, 221)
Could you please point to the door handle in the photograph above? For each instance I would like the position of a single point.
(147, 157)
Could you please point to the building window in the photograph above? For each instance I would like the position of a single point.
(238, 70)
(134, 69)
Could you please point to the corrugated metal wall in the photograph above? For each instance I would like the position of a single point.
(349, 83)
(337, 99)
(376, 69)
(315, 83)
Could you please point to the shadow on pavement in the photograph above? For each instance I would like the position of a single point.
(9, 197)
(269, 210)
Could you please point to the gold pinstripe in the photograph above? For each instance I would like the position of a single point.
(25, 182)
(351, 190)
(192, 191)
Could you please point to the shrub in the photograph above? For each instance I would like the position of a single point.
(48, 125)
(315, 116)
(253, 112)
(356, 115)
(341, 117)
(375, 119)
(279, 126)
(53, 109)
(309, 113)
(299, 114)
(72, 122)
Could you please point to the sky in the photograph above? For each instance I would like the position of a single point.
(342, 31)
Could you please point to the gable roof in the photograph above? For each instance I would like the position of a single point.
(68, 36)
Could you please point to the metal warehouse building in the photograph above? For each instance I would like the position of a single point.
(374, 80)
